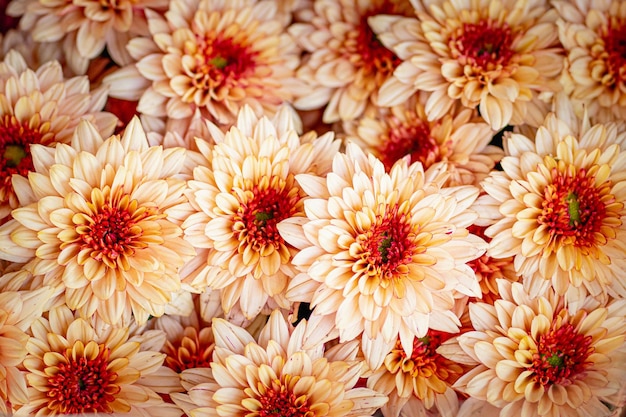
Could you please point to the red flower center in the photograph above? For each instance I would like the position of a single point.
(82, 383)
(409, 138)
(485, 45)
(388, 244)
(424, 360)
(267, 204)
(615, 50)
(115, 230)
(280, 401)
(574, 208)
(561, 356)
(193, 350)
(369, 52)
(220, 63)
(15, 141)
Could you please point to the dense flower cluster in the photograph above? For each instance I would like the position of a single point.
(313, 208)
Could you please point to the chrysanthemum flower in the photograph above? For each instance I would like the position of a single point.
(459, 139)
(189, 338)
(213, 56)
(18, 310)
(497, 56)
(558, 208)
(594, 37)
(99, 220)
(537, 358)
(383, 254)
(40, 107)
(242, 195)
(346, 64)
(86, 27)
(76, 367)
(424, 374)
(257, 378)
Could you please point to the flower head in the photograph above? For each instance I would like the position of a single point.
(276, 375)
(535, 357)
(242, 197)
(189, 338)
(497, 56)
(40, 107)
(85, 27)
(424, 374)
(557, 207)
(594, 37)
(213, 57)
(97, 220)
(383, 254)
(74, 366)
(459, 139)
(345, 64)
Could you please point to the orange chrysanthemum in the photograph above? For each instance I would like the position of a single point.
(537, 358)
(558, 207)
(189, 338)
(594, 37)
(85, 28)
(98, 221)
(345, 64)
(75, 366)
(424, 374)
(242, 196)
(497, 56)
(277, 375)
(383, 254)
(210, 57)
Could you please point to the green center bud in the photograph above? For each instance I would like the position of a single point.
(13, 154)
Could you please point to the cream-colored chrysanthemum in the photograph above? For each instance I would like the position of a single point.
(345, 64)
(18, 310)
(213, 56)
(242, 195)
(459, 139)
(77, 367)
(86, 27)
(497, 56)
(593, 34)
(40, 107)
(99, 219)
(558, 208)
(276, 375)
(424, 374)
(383, 254)
(537, 358)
